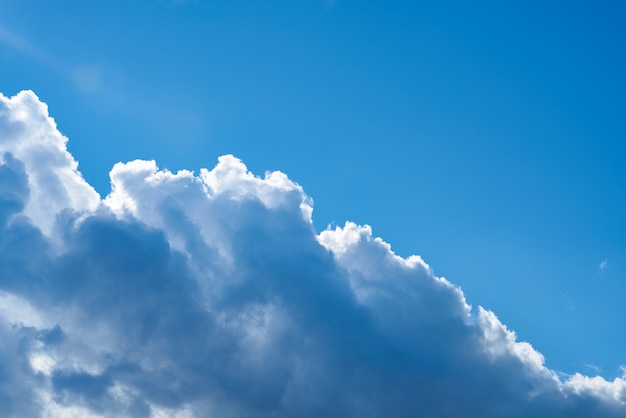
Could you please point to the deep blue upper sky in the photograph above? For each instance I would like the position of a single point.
(488, 137)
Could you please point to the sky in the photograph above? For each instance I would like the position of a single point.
(487, 138)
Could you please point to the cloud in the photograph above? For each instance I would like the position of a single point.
(185, 295)
(603, 265)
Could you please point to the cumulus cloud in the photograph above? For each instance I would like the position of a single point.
(184, 295)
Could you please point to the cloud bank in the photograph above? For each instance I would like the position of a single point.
(212, 295)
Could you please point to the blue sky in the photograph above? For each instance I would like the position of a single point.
(488, 138)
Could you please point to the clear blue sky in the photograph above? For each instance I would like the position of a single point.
(488, 137)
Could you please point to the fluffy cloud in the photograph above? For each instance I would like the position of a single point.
(183, 295)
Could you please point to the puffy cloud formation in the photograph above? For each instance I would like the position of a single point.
(212, 295)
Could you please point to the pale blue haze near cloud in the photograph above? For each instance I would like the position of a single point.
(488, 137)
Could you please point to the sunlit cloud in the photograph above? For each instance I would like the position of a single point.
(211, 294)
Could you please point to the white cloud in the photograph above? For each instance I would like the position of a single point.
(212, 295)
(603, 265)
(54, 183)
(599, 387)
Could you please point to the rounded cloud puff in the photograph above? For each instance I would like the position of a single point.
(204, 295)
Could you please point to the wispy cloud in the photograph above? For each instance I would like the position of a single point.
(603, 265)
(211, 294)
(593, 368)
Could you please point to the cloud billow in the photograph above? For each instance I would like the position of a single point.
(206, 295)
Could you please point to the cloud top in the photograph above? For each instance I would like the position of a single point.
(187, 295)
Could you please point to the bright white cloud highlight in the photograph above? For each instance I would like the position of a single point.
(185, 295)
(54, 183)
